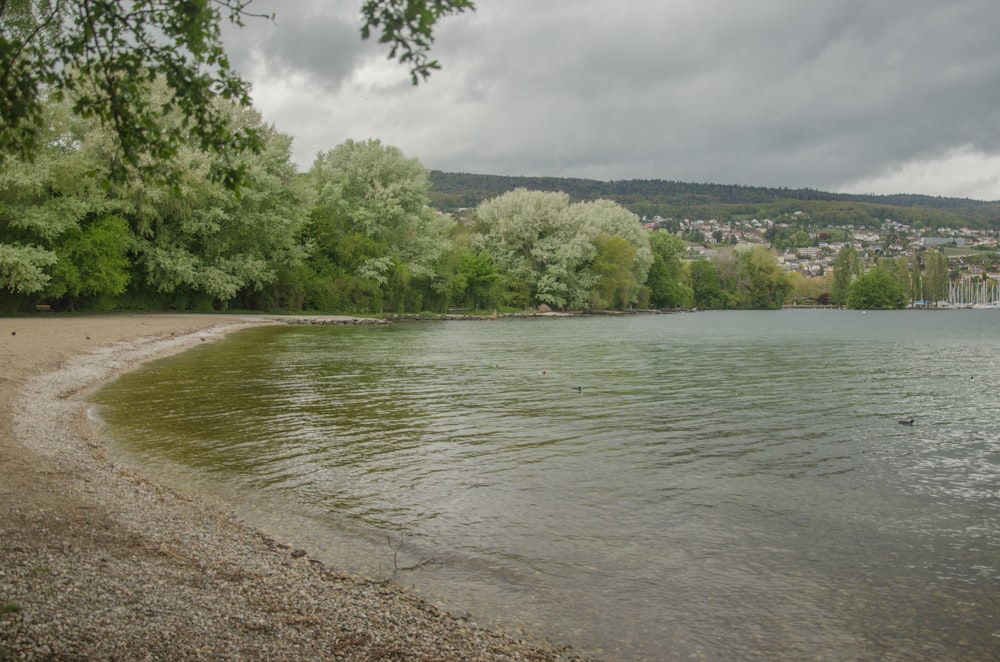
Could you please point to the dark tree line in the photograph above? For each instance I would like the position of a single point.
(678, 200)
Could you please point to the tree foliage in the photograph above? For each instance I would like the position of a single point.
(92, 261)
(69, 237)
(705, 286)
(935, 278)
(475, 280)
(666, 279)
(409, 26)
(845, 270)
(23, 268)
(677, 200)
(612, 268)
(744, 278)
(545, 248)
(766, 283)
(107, 55)
(371, 225)
(876, 289)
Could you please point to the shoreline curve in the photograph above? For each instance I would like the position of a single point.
(100, 562)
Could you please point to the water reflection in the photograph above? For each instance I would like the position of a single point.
(722, 485)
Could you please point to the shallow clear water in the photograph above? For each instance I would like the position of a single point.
(722, 485)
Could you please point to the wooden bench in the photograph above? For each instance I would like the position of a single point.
(43, 308)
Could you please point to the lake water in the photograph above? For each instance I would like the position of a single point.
(716, 485)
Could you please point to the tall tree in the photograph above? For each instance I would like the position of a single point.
(192, 238)
(733, 279)
(535, 245)
(845, 269)
(666, 274)
(601, 219)
(899, 269)
(43, 200)
(475, 281)
(613, 268)
(935, 276)
(545, 247)
(93, 264)
(769, 285)
(705, 286)
(372, 221)
(876, 289)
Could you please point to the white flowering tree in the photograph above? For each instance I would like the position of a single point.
(546, 248)
(67, 236)
(372, 221)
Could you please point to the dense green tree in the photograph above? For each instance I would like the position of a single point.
(845, 270)
(93, 263)
(899, 269)
(733, 279)
(666, 274)
(43, 199)
(705, 286)
(876, 289)
(612, 267)
(192, 238)
(935, 280)
(535, 244)
(372, 228)
(747, 278)
(23, 268)
(476, 278)
(544, 248)
(608, 224)
(197, 240)
(767, 284)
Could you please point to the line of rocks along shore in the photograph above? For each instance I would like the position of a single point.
(341, 320)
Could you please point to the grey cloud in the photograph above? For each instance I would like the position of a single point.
(774, 92)
(309, 39)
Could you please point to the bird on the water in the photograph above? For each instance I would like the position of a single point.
(907, 421)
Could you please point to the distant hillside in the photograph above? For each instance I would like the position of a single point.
(649, 197)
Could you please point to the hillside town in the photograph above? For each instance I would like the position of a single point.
(812, 252)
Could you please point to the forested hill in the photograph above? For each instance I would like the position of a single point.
(650, 197)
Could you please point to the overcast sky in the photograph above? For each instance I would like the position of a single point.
(881, 96)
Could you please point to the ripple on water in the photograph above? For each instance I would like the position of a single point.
(722, 485)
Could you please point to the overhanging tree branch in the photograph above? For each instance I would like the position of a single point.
(107, 54)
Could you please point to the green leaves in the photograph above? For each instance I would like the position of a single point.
(93, 260)
(109, 56)
(542, 240)
(22, 268)
(876, 289)
(372, 220)
(408, 25)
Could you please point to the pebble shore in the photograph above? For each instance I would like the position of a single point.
(98, 562)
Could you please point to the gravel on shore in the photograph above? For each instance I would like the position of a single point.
(98, 562)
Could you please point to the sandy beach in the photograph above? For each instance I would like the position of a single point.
(99, 562)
